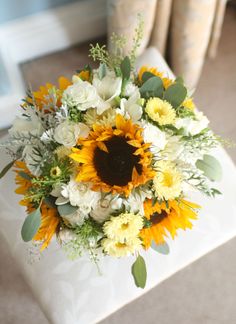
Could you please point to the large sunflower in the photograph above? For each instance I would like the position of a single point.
(166, 219)
(114, 159)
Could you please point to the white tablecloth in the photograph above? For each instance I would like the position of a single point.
(73, 292)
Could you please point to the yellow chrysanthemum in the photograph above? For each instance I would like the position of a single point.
(42, 97)
(123, 227)
(114, 159)
(164, 220)
(166, 81)
(188, 103)
(160, 111)
(49, 224)
(167, 182)
(119, 249)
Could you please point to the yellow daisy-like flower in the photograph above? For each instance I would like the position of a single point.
(160, 111)
(167, 182)
(164, 220)
(119, 249)
(42, 97)
(166, 81)
(49, 223)
(123, 227)
(114, 159)
(188, 103)
(107, 118)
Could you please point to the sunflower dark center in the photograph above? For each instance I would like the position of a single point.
(157, 218)
(115, 167)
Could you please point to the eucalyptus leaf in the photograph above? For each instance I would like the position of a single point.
(153, 87)
(175, 94)
(31, 225)
(125, 67)
(66, 209)
(24, 175)
(147, 75)
(102, 71)
(161, 248)
(139, 272)
(6, 169)
(179, 79)
(210, 167)
(50, 201)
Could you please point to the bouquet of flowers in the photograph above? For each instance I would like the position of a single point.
(105, 161)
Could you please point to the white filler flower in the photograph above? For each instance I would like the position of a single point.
(67, 133)
(192, 126)
(108, 88)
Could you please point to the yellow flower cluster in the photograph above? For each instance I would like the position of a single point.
(122, 235)
(160, 111)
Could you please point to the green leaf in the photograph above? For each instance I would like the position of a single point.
(102, 71)
(210, 167)
(25, 175)
(31, 225)
(179, 79)
(175, 94)
(161, 248)
(50, 201)
(125, 67)
(6, 169)
(147, 75)
(153, 87)
(66, 209)
(139, 272)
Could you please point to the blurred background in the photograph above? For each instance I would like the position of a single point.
(41, 40)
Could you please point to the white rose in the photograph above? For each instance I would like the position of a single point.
(152, 134)
(80, 194)
(108, 88)
(130, 108)
(105, 207)
(67, 133)
(192, 126)
(82, 94)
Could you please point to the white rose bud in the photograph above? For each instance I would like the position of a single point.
(67, 133)
(82, 94)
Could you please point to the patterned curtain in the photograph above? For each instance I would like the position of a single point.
(185, 30)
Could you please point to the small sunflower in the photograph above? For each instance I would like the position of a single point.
(167, 182)
(114, 159)
(42, 97)
(23, 182)
(167, 219)
(49, 224)
(120, 249)
(166, 81)
(160, 111)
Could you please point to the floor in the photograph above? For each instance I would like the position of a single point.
(204, 292)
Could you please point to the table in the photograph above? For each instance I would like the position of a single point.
(74, 292)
